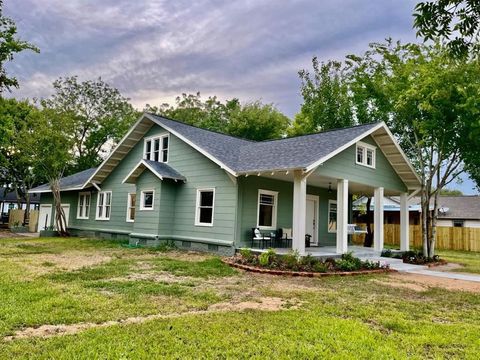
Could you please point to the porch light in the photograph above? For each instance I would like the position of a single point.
(330, 188)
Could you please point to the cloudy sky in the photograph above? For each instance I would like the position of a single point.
(153, 50)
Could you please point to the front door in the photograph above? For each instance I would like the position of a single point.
(311, 219)
(45, 217)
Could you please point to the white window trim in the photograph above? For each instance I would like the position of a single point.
(275, 209)
(328, 216)
(152, 139)
(364, 147)
(129, 204)
(84, 193)
(197, 207)
(103, 218)
(142, 198)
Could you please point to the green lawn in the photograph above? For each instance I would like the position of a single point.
(71, 281)
(469, 259)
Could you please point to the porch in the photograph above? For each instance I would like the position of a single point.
(316, 206)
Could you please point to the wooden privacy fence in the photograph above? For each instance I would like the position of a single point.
(448, 238)
(15, 219)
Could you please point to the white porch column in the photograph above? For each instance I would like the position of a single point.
(299, 211)
(378, 220)
(404, 223)
(342, 216)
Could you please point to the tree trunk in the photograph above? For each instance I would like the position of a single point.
(433, 233)
(26, 216)
(425, 210)
(60, 220)
(369, 235)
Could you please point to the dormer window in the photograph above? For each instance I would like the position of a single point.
(156, 148)
(365, 154)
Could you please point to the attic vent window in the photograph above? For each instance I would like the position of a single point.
(365, 155)
(156, 148)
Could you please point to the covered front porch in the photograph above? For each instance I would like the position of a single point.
(320, 209)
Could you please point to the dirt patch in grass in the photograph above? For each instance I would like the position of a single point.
(261, 304)
(418, 282)
(162, 277)
(41, 264)
(448, 267)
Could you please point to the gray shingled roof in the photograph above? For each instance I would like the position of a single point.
(245, 156)
(74, 181)
(165, 170)
(459, 207)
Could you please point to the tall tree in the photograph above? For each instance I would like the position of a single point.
(100, 116)
(254, 121)
(457, 22)
(16, 164)
(430, 101)
(51, 142)
(326, 101)
(10, 45)
(330, 103)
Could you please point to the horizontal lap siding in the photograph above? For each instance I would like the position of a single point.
(146, 221)
(248, 207)
(201, 172)
(166, 216)
(344, 166)
(248, 191)
(174, 208)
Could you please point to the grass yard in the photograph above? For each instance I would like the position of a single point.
(469, 259)
(80, 298)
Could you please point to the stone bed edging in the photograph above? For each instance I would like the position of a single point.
(304, 273)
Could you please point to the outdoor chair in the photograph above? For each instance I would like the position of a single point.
(262, 239)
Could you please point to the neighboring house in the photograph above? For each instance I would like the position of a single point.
(461, 211)
(166, 180)
(457, 211)
(9, 201)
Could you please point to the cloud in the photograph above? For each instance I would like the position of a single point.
(154, 50)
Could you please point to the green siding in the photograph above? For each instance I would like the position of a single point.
(174, 207)
(248, 193)
(146, 221)
(200, 173)
(344, 166)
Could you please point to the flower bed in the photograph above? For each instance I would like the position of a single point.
(415, 258)
(292, 264)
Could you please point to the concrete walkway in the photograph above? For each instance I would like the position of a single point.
(400, 266)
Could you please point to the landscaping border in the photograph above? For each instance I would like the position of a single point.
(304, 273)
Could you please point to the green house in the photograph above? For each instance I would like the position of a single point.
(207, 191)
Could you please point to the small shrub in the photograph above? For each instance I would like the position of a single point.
(386, 253)
(167, 246)
(246, 254)
(348, 262)
(266, 258)
(320, 267)
(371, 265)
(291, 260)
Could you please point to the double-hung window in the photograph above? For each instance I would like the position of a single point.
(365, 154)
(147, 198)
(131, 202)
(83, 209)
(332, 216)
(104, 204)
(267, 209)
(156, 148)
(205, 207)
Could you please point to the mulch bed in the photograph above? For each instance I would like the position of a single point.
(303, 273)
